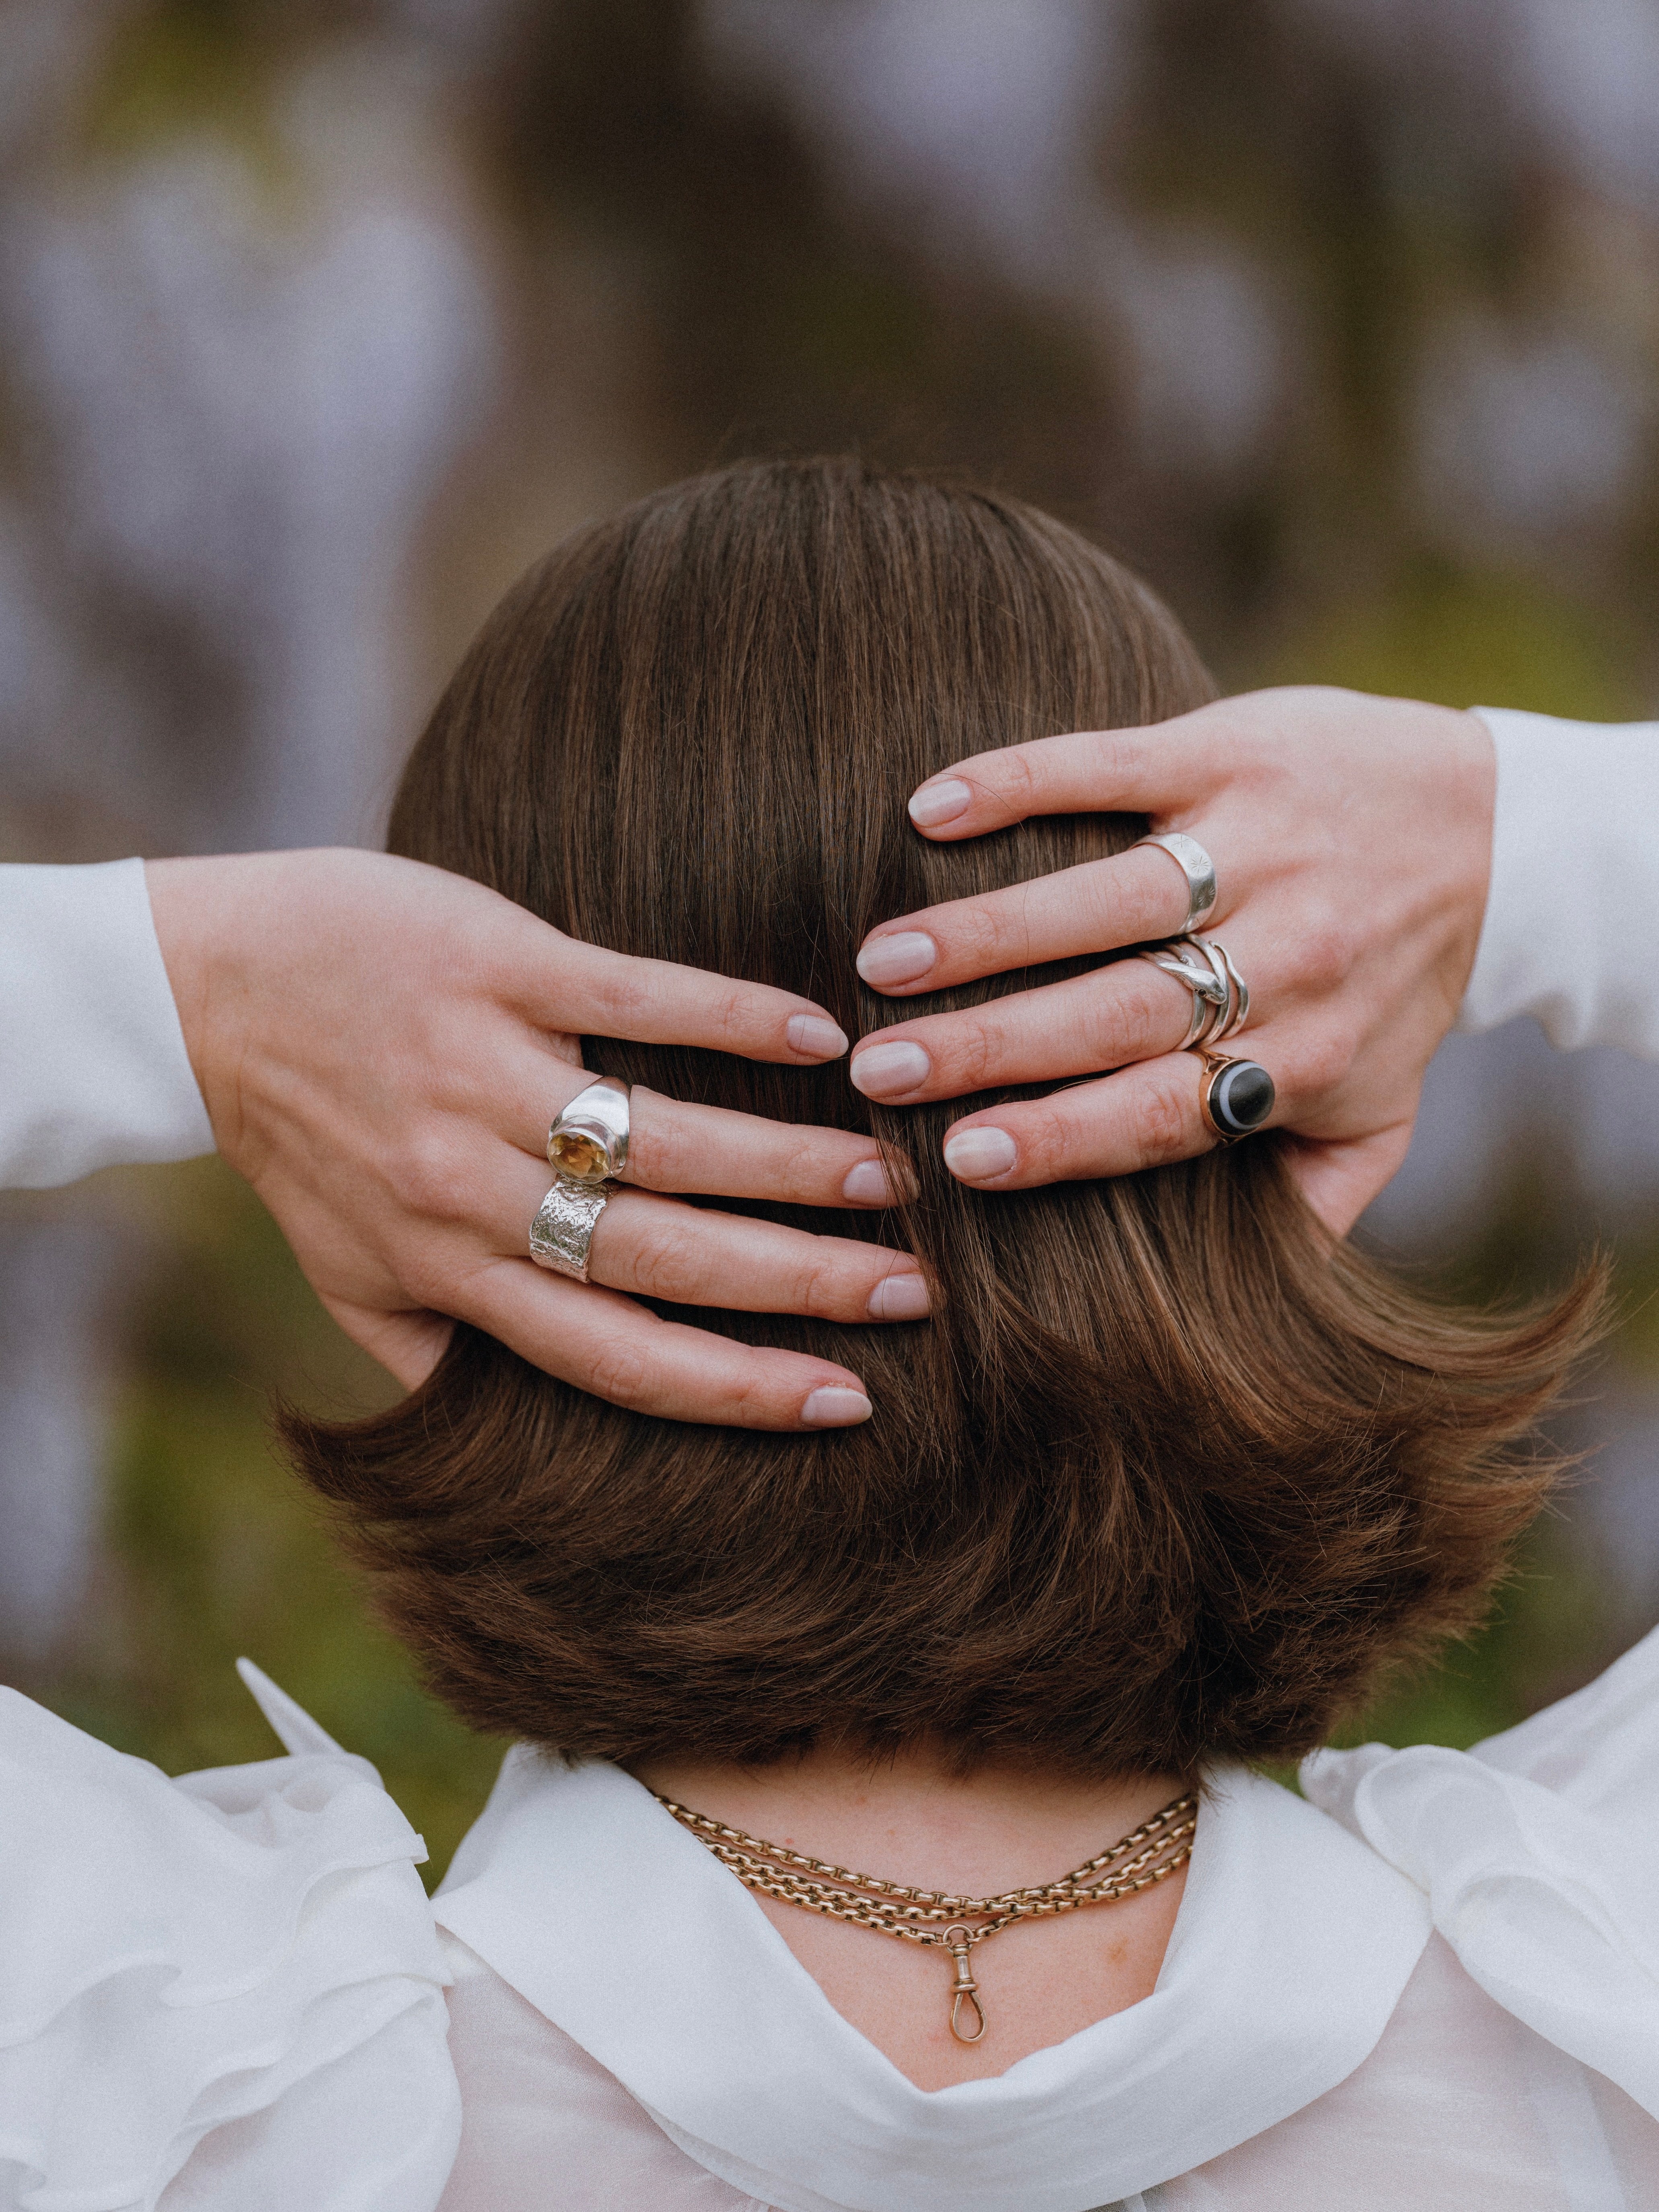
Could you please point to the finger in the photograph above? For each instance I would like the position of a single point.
(1155, 769)
(1142, 1117)
(605, 1344)
(604, 993)
(660, 1248)
(690, 1256)
(409, 1345)
(673, 1147)
(1138, 896)
(1340, 1178)
(678, 1147)
(1126, 1012)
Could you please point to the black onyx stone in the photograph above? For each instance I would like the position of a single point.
(1242, 1098)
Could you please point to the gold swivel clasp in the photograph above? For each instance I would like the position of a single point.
(965, 1990)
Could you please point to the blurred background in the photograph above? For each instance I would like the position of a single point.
(1337, 319)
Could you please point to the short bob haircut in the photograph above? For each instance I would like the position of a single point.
(1169, 1476)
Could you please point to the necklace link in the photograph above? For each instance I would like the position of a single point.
(1145, 1856)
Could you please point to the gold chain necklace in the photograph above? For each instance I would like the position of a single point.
(1148, 1855)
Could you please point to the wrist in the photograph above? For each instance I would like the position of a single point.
(1469, 796)
(203, 911)
(177, 899)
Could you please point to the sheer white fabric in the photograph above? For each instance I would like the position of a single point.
(1459, 2105)
(224, 1990)
(229, 1990)
(1290, 1950)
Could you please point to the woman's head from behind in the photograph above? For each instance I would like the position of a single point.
(1167, 1477)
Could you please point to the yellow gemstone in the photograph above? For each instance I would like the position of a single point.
(576, 1154)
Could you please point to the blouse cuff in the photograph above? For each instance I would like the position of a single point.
(1574, 882)
(93, 1071)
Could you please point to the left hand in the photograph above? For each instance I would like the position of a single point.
(381, 1045)
(1352, 839)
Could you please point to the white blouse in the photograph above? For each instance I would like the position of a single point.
(1434, 1981)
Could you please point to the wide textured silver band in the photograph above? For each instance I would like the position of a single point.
(1221, 997)
(563, 1227)
(1196, 865)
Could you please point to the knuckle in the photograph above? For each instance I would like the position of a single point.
(618, 1371)
(729, 1016)
(823, 1291)
(1161, 1124)
(985, 935)
(797, 1172)
(1109, 757)
(1119, 1027)
(434, 1288)
(659, 1266)
(1329, 945)
(1324, 1062)
(623, 992)
(1100, 902)
(1017, 776)
(1044, 1136)
(976, 1054)
(433, 1179)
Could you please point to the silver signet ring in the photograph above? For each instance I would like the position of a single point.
(588, 1142)
(1195, 864)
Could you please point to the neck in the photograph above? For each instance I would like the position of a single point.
(913, 1817)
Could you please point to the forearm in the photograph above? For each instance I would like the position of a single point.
(93, 1071)
(1572, 915)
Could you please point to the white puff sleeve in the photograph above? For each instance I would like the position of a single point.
(222, 1990)
(1573, 914)
(93, 1065)
(1538, 1853)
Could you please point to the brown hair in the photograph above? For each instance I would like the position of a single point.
(1170, 1474)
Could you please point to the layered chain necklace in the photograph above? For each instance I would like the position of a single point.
(1145, 1856)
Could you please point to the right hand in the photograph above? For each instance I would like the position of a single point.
(1351, 838)
(381, 1046)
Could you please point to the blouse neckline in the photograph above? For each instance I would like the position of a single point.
(1291, 1947)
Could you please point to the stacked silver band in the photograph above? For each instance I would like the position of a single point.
(1221, 998)
(588, 1145)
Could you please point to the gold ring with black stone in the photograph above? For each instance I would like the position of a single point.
(1235, 1096)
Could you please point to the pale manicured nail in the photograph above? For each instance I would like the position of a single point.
(900, 1297)
(868, 1184)
(939, 802)
(833, 1406)
(981, 1155)
(888, 1071)
(815, 1035)
(903, 957)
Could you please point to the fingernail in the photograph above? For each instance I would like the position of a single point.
(887, 1071)
(900, 958)
(868, 1184)
(981, 1155)
(900, 1297)
(939, 802)
(833, 1406)
(816, 1036)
